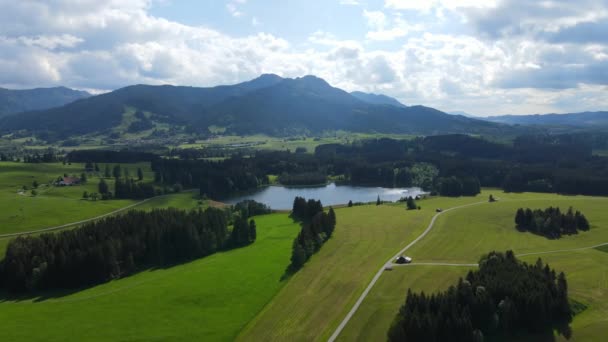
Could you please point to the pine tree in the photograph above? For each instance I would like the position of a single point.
(378, 202)
(140, 174)
(411, 204)
(102, 187)
(298, 256)
(350, 203)
(252, 231)
(520, 218)
(332, 217)
(117, 172)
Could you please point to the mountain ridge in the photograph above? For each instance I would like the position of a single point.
(13, 101)
(268, 104)
(579, 119)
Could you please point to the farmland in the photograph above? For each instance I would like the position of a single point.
(51, 206)
(461, 236)
(212, 297)
(239, 295)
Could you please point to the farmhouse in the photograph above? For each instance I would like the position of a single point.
(68, 181)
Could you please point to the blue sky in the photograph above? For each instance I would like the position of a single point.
(483, 57)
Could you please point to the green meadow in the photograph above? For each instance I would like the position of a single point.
(213, 297)
(318, 296)
(51, 206)
(239, 294)
(463, 235)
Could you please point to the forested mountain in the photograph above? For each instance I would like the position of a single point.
(268, 104)
(584, 119)
(377, 99)
(16, 101)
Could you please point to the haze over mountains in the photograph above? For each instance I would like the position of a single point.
(15, 101)
(584, 119)
(268, 104)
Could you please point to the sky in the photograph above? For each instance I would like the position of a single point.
(483, 57)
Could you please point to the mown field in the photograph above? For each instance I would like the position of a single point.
(264, 142)
(52, 206)
(463, 235)
(316, 298)
(239, 295)
(211, 298)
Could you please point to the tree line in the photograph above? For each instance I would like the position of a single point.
(118, 246)
(502, 300)
(317, 228)
(107, 156)
(551, 222)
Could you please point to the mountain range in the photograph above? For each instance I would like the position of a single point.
(268, 104)
(583, 119)
(15, 101)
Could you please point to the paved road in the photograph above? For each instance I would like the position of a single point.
(3, 236)
(352, 311)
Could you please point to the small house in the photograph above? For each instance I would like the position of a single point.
(69, 181)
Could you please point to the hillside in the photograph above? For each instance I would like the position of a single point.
(268, 104)
(377, 99)
(584, 119)
(16, 101)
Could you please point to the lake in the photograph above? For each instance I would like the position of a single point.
(281, 197)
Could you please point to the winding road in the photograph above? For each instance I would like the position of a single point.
(352, 311)
(390, 263)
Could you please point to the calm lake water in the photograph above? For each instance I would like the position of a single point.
(280, 197)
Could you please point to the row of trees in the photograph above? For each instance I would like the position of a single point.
(551, 222)
(317, 227)
(105, 156)
(307, 178)
(458, 186)
(216, 179)
(501, 300)
(117, 246)
(249, 208)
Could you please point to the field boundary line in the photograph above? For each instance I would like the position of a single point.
(435, 264)
(352, 311)
(563, 250)
(9, 235)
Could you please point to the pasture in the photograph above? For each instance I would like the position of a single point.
(212, 297)
(463, 235)
(318, 296)
(51, 206)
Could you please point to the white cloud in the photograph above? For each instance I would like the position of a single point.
(426, 5)
(233, 9)
(104, 45)
(383, 28)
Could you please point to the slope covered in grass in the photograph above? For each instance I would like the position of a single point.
(211, 298)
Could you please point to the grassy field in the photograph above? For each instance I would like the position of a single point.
(52, 205)
(316, 298)
(209, 299)
(264, 142)
(463, 235)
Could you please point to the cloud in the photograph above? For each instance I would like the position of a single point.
(511, 56)
(233, 9)
(379, 24)
(350, 2)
